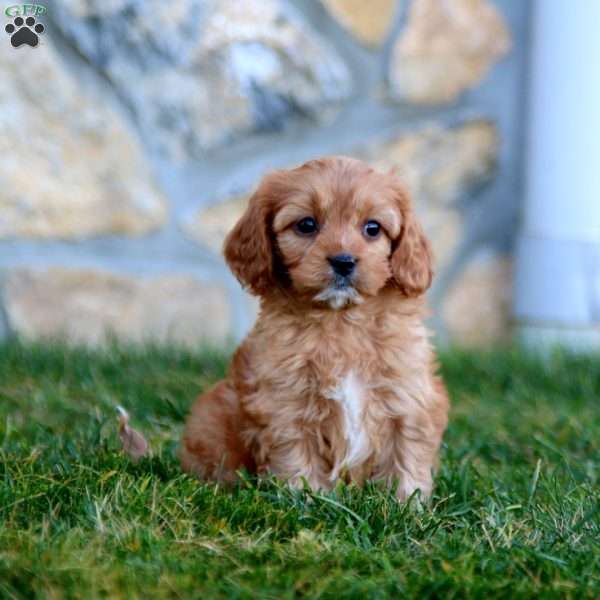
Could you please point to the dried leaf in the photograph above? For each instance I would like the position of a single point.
(134, 443)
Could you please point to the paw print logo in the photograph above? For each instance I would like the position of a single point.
(24, 31)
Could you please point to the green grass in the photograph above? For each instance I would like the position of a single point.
(515, 510)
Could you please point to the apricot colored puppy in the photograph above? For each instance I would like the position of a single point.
(337, 380)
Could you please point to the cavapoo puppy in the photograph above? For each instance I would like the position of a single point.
(337, 380)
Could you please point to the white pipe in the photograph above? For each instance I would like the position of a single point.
(557, 288)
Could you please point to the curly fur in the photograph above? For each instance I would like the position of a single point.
(333, 381)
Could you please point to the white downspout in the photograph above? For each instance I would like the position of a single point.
(557, 287)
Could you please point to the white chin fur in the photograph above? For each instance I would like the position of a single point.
(339, 297)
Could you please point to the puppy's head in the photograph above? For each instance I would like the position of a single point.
(333, 231)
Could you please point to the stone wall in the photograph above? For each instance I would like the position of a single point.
(133, 134)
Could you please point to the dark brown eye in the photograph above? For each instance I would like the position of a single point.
(372, 229)
(306, 226)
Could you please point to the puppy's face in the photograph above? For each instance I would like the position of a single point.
(334, 231)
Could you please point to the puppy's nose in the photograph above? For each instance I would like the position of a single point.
(342, 264)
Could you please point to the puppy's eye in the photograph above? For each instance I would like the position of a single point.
(307, 226)
(372, 229)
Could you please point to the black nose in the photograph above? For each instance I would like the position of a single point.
(342, 264)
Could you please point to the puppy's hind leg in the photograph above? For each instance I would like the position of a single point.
(212, 445)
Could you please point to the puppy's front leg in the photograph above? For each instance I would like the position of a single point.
(409, 452)
(297, 458)
(410, 456)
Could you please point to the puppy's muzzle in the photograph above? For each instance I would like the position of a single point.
(342, 264)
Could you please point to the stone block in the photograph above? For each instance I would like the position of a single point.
(446, 48)
(88, 307)
(369, 22)
(69, 168)
(200, 73)
(477, 308)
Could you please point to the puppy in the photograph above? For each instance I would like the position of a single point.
(337, 380)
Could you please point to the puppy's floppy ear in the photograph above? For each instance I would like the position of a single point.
(412, 258)
(248, 248)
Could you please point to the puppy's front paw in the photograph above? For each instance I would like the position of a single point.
(301, 482)
(408, 485)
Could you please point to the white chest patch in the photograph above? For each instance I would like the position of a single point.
(350, 395)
